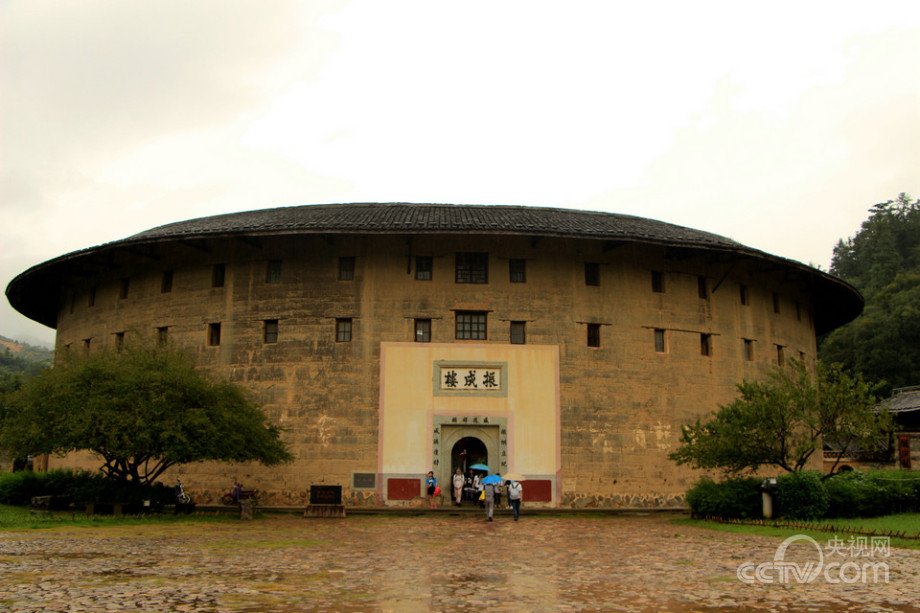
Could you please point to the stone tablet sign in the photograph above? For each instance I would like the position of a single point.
(471, 379)
(325, 494)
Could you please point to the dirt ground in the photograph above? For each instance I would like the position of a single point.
(435, 563)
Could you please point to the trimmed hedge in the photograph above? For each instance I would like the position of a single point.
(860, 494)
(810, 495)
(734, 498)
(80, 487)
(801, 495)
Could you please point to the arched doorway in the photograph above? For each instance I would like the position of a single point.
(467, 451)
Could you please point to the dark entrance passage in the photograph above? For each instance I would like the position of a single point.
(467, 451)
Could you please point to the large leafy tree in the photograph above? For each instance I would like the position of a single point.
(781, 422)
(142, 409)
(883, 262)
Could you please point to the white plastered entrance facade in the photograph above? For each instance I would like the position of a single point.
(433, 395)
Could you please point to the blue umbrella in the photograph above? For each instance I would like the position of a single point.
(491, 479)
(479, 467)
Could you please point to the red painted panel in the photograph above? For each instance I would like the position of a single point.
(403, 489)
(538, 490)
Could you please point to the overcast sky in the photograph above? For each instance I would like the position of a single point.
(777, 124)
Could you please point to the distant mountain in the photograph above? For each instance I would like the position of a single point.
(22, 357)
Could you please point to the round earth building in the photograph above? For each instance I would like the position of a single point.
(393, 339)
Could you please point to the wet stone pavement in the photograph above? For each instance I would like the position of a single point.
(424, 563)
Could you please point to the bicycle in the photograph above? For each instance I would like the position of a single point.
(181, 496)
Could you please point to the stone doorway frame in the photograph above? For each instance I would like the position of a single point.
(447, 430)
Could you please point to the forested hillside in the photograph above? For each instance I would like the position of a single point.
(883, 262)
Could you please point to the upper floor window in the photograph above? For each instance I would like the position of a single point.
(92, 296)
(166, 282)
(343, 328)
(775, 302)
(125, 284)
(218, 272)
(594, 335)
(657, 282)
(743, 293)
(422, 330)
(270, 331)
(472, 268)
(471, 325)
(748, 350)
(701, 288)
(518, 333)
(517, 271)
(214, 334)
(706, 344)
(660, 341)
(346, 268)
(592, 273)
(424, 265)
(273, 271)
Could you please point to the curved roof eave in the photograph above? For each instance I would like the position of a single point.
(836, 302)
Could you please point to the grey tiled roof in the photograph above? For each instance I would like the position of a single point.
(439, 218)
(903, 400)
(37, 292)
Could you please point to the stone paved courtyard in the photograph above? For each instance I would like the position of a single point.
(437, 562)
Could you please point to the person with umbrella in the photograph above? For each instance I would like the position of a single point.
(489, 484)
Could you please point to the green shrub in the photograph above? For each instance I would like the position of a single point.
(860, 494)
(802, 495)
(733, 498)
(80, 487)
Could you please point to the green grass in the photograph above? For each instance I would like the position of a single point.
(14, 518)
(821, 530)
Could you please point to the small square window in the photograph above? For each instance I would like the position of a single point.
(748, 350)
(166, 282)
(594, 335)
(270, 331)
(472, 268)
(657, 282)
(343, 330)
(214, 334)
(423, 267)
(517, 271)
(660, 345)
(701, 288)
(125, 284)
(273, 271)
(518, 333)
(422, 330)
(218, 272)
(471, 325)
(592, 275)
(346, 268)
(706, 344)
